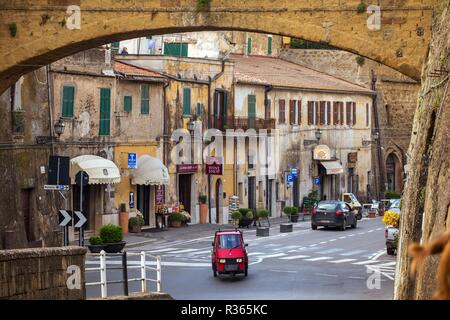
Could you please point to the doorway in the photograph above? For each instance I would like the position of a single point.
(252, 192)
(184, 191)
(143, 202)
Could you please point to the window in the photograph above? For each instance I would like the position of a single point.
(67, 101)
(198, 109)
(322, 113)
(105, 110)
(115, 47)
(298, 111)
(277, 190)
(145, 99)
(252, 111)
(260, 191)
(313, 112)
(354, 113)
(268, 113)
(127, 103)
(230, 241)
(269, 45)
(388, 115)
(249, 46)
(328, 121)
(348, 110)
(282, 111)
(367, 115)
(186, 102)
(341, 113)
(176, 49)
(295, 112)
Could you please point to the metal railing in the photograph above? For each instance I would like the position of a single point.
(143, 267)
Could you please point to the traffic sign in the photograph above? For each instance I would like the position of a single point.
(317, 181)
(132, 161)
(80, 219)
(56, 188)
(82, 178)
(65, 217)
(290, 179)
(294, 173)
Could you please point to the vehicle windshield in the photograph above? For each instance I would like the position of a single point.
(327, 206)
(230, 241)
(395, 204)
(353, 197)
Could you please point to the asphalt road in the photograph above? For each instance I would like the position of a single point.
(304, 264)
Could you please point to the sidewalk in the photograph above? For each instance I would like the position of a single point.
(197, 230)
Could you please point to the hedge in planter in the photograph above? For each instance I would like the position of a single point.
(246, 219)
(292, 212)
(176, 219)
(236, 216)
(112, 236)
(96, 244)
(135, 224)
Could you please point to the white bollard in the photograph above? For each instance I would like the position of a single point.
(103, 285)
(158, 274)
(143, 273)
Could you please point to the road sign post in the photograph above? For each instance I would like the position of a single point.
(65, 217)
(82, 179)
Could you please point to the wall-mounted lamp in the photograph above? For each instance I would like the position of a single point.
(59, 127)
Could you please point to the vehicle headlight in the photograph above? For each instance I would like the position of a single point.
(222, 261)
(239, 260)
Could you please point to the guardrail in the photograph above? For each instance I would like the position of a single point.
(103, 268)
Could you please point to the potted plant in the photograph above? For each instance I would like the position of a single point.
(292, 212)
(96, 244)
(245, 220)
(203, 200)
(263, 214)
(176, 219)
(136, 223)
(112, 237)
(236, 216)
(123, 217)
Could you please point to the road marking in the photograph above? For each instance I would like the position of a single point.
(388, 264)
(330, 251)
(274, 255)
(365, 262)
(370, 231)
(163, 263)
(255, 253)
(358, 278)
(200, 252)
(319, 259)
(186, 250)
(283, 271)
(343, 237)
(378, 229)
(351, 235)
(352, 253)
(327, 275)
(291, 247)
(300, 256)
(313, 245)
(323, 242)
(342, 261)
(163, 250)
(377, 255)
(332, 240)
(361, 233)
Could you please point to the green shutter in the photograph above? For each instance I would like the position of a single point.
(249, 46)
(269, 46)
(251, 111)
(67, 101)
(199, 109)
(176, 49)
(127, 103)
(115, 47)
(145, 99)
(186, 101)
(105, 111)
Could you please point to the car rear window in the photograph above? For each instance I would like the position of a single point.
(326, 206)
(229, 241)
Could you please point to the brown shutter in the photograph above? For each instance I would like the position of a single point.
(299, 114)
(282, 111)
(322, 113)
(316, 112)
(348, 111)
(367, 114)
(354, 113)
(328, 112)
(310, 112)
(292, 112)
(335, 112)
(341, 112)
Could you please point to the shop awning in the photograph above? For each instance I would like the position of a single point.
(150, 171)
(333, 167)
(100, 170)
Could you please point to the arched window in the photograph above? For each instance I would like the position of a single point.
(390, 172)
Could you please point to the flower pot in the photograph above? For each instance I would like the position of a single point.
(96, 248)
(293, 217)
(135, 228)
(123, 221)
(245, 223)
(175, 224)
(203, 213)
(372, 215)
(114, 247)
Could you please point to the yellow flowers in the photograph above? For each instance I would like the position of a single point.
(391, 218)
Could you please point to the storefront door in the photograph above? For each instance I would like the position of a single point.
(143, 202)
(251, 192)
(184, 185)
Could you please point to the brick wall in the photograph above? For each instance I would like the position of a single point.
(40, 274)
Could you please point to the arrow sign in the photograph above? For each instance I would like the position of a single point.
(80, 219)
(64, 217)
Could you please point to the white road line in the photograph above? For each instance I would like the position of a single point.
(186, 251)
(327, 275)
(255, 253)
(283, 271)
(163, 250)
(342, 261)
(361, 233)
(343, 237)
(319, 259)
(323, 242)
(388, 264)
(358, 278)
(163, 263)
(200, 252)
(377, 255)
(330, 251)
(300, 256)
(351, 235)
(332, 240)
(378, 229)
(370, 231)
(273, 255)
(313, 245)
(365, 262)
(352, 253)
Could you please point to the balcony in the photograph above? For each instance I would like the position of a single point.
(243, 123)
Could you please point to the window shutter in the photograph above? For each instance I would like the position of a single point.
(186, 101)
(328, 113)
(105, 110)
(354, 113)
(322, 113)
(145, 99)
(249, 46)
(349, 113)
(341, 113)
(316, 111)
(335, 112)
(367, 115)
(269, 46)
(292, 112)
(216, 104)
(310, 112)
(68, 101)
(127, 103)
(299, 112)
(282, 105)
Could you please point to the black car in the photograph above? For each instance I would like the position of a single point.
(333, 213)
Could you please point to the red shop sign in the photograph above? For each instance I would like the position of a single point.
(187, 168)
(214, 166)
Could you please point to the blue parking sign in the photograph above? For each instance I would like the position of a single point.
(289, 179)
(132, 161)
(317, 181)
(294, 173)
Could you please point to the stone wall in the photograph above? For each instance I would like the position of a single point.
(41, 274)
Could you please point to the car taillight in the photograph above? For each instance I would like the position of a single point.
(314, 212)
(339, 212)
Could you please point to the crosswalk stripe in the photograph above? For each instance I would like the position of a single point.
(330, 251)
(163, 250)
(255, 253)
(186, 250)
(319, 259)
(365, 262)
(388, 264)
(352, 253)
(300, 256)
(342, 261)
(274, 255)
(201, 252)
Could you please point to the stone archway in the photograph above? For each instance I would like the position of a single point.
(36, 33)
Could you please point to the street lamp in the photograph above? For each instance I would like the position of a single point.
(59, 127)
(318, 134)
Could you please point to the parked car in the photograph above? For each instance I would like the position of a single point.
(333, 213)
(392, 232)
(355, 205)
(229, 253)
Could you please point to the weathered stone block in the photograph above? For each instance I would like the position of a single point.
(262, 232)
(286, 227)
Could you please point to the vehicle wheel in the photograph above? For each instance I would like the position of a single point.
(214, 272)
(355, 224)
(246, 270)
(314, 227)
(344, 226)
(390, 251)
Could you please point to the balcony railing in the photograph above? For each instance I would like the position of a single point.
(243, 123)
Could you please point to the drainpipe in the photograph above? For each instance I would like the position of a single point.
(165, 126)
(380, 181)
(266, 105)
(50, 105)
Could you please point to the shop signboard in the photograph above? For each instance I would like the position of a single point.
(214, 166)
(187, 168)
